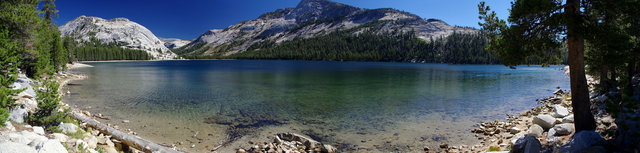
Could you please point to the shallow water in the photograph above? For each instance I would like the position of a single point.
(357, 106)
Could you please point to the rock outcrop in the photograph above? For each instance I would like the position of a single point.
(172, 43)
(312, 18)
(290, 142)
(121, 31)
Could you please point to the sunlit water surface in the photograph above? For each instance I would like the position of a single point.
(356, 106)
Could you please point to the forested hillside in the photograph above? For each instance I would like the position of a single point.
(94, 50)
(458, 48)
(343, 45)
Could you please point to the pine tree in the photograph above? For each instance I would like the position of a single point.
(534, 30)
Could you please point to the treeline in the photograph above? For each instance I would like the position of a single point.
(94, 50)
(458, 48)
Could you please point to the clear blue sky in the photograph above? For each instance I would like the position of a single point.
(187, 19)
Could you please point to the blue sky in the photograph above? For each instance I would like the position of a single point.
(187, 19)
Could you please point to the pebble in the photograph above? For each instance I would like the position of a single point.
(444, 145)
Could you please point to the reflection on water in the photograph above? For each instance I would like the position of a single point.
(367, 100)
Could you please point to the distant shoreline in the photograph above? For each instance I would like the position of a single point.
(230, 59)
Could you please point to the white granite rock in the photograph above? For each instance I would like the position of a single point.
(13, 147)
(545, 121)
(52, 146)
(559, 111)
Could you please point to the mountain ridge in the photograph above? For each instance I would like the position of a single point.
(312, 18)
(121, 31)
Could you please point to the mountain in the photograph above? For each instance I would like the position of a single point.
(121, 31)
(313, 18)
(172, 43)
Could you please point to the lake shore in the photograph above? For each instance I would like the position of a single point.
(18, 135)
(554, 113)
(243, 143)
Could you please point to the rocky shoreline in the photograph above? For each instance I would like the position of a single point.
(18, 136)
(549, 126)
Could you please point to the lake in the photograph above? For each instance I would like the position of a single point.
(355, 106)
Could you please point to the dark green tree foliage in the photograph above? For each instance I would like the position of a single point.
(49, 10)
(29, 43)
(8, 70)
(94, 50)
(188, 51)
(47, 114)
(458, 48)
(537, 29)
(613, 34)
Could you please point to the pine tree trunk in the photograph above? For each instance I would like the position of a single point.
(579, 88)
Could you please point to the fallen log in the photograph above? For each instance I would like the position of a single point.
(130, 140)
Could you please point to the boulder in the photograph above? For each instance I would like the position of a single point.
(110, 149)
(80, 142)
(516, 137)
(13, 147)
(38, 130)
(14, 137)
(92, 142)
(18, 115)
(535, 130)
(560, 111)
(545, 121)
(563, 129)
(52, 146)
(551, 136)
(15, 86)
(68, 127)
(558, 92)
(514, 130)
(60, 137)
(527, 144)
(33, 138)
(8, 126)
(568, 119)
(583, 141)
